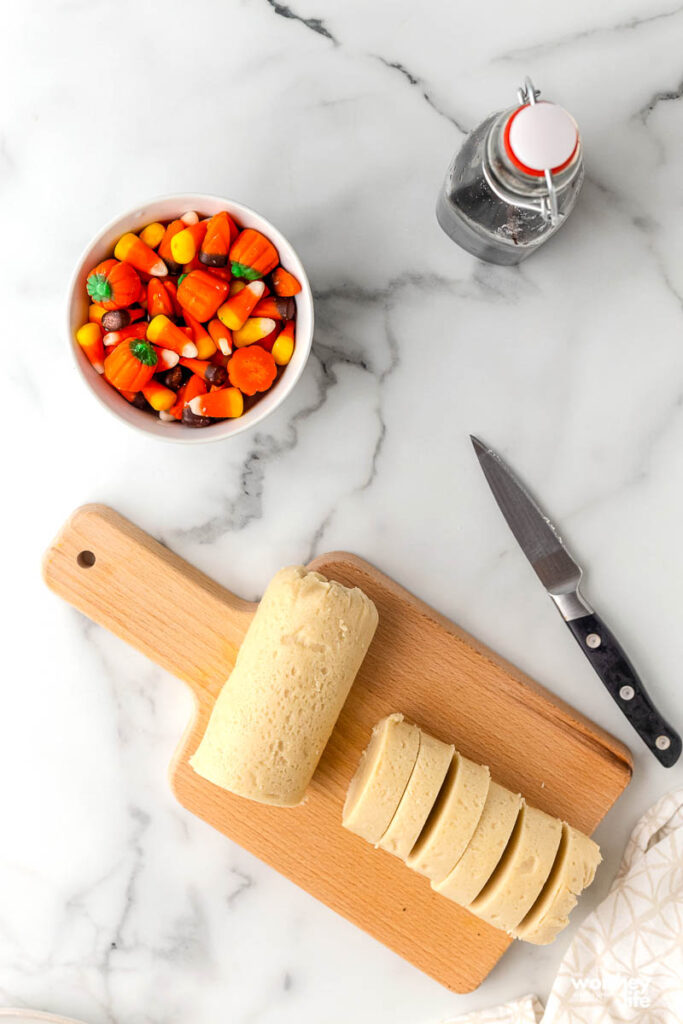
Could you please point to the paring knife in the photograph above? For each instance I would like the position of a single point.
(561, 577)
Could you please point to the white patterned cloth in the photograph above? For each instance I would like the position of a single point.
(625, 964)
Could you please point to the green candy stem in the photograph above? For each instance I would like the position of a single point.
(98, 288)
(242, 270)
(143, 351)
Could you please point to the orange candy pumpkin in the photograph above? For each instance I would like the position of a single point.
(113, 285)
(201, 293)
(252, 255)
(131, 365)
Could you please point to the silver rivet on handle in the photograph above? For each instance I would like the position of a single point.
(593, 640)
(627, 693)
(662, 743)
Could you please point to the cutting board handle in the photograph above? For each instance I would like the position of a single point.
(127, 582)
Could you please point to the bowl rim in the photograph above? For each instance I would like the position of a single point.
(178, 433)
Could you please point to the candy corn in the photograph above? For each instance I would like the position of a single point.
(89, 337)
(284, 283)
(164, 332)
(185, 245)
(172, 290)
(172, 229)
(210, 374)
(270, 339)
(283, 347)
(253, 330)
(236, 311)
(158, 396)
(214, 249)
(224, 224)
(275, 307)
(166, 359)
(134, 331)
(221, 336)
(131, 249)
(195, 386)
(152, 235)
(206, 346)
(159, 299)
(225, 402)
(96, 313)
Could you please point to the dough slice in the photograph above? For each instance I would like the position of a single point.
(430, 769)
(573, 871)
(522, 872)
(486, 847)
(453, 820)
(381, 778)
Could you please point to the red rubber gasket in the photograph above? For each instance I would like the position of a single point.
(518, 163)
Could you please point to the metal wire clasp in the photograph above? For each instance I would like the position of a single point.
(528, 93)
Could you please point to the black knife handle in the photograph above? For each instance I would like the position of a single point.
(617, 673)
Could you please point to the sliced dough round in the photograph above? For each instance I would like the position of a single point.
(522, 871)
(430, 769)
(453, 820)
(486, 847)
(381, 778)
(573, 871)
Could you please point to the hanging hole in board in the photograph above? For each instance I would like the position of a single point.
(85, 559)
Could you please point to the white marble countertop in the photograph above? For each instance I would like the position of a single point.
(337, 121)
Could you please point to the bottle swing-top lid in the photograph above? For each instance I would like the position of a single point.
(539, 137)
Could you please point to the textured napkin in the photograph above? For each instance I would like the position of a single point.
(625, 964)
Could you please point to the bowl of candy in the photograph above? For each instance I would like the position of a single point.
(190, 317)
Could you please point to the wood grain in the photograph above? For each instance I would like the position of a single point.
(419, 663)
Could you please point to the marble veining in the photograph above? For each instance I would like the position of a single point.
(337, 121)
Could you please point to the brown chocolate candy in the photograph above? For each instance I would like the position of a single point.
(173, 378)
(216, 375)
(117, 319)
(190, 419)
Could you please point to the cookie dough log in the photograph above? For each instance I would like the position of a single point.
(522, 872)
(433, 760)
(452, 822)
(485, 848)
(383, 773)
(294, 670)
(573, 871)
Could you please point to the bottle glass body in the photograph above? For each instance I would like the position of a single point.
(493, 209)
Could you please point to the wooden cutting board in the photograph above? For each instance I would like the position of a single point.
(419, 663)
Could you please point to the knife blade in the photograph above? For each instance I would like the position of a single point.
(561, 576)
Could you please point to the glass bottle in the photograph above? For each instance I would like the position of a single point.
(514, 181)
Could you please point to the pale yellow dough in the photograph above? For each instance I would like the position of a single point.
(430, 769)
(453, 820)
(485, 848)
(296, 665)
(522, 872)
(574, 870)
(381, 778)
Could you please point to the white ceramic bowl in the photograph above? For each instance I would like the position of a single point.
(163, 209)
